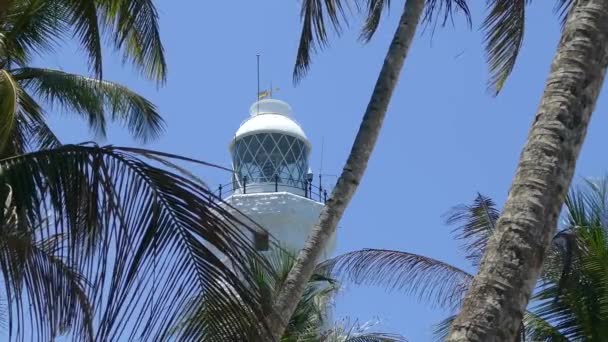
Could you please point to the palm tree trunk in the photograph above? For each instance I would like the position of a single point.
(353, 171)
(494, 305)
(4, 6)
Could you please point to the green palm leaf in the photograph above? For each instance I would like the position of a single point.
(442, 329)
(133, 27)
(31, 26)
(562, 7)
(37, 134)
(84, 19)
(32, 273)
(429, 279)
(9, 94)
(355, 332)
(316, 14)
(93, 99)
(573, 294)
(475, 224)
(145, 238)
(504, 27)
(209, 319)
(375, 8)
(28, 128)
(538, 329)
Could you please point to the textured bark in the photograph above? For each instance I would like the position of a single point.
(494, 305)
(353, 170)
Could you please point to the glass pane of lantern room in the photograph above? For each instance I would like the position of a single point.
(245, 165)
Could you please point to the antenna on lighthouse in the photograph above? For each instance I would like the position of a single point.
(321, 166)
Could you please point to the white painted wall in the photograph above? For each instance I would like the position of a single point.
(288, 217)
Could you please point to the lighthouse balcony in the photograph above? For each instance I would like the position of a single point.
(305, 189)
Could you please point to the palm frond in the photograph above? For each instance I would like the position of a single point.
(586, 212)
(31, 26)
(375, 8)
(38, 134)
(347, 331)
(84, 19)
(314, 36)
(133, 27)
(201, 313)
(475, 224)
(551, 307)
(429, 279)
(34, 275)
(3, 51)
(316, 14)
(504, 36)
(94, 99)
(442, 329)
(26, 127)
(595, 196)
(147, 239)
(375, 337)
(562, 8)
(575, 304)
(444, 10)
(576, 210)
(538, 329)
(18, 140)
(9, 95)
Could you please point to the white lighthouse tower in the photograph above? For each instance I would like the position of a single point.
(272, 182)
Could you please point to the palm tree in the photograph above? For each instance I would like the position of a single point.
(310, 321)
(96, 242)
(570, 298)
(497, 298)
(130, 26)
(313, 16)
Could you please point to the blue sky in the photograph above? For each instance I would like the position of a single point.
(445, 138)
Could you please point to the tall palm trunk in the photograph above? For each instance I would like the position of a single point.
(495, 302)
(4, 6)
(353, 170)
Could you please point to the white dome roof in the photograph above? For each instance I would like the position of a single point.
(270, 116)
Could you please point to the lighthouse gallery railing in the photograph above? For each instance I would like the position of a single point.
(308, 189)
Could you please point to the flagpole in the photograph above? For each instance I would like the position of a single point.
(258, 76)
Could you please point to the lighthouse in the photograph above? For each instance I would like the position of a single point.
(272, 182)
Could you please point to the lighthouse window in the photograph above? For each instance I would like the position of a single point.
(269, 158)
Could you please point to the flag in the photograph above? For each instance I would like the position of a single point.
(263, 94)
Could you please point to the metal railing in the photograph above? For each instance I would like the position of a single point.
(307, 188)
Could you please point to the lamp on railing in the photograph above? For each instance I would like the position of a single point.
(308, 183)
(320, 187)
